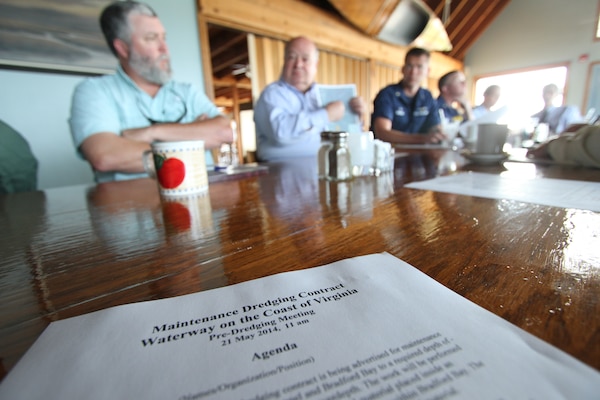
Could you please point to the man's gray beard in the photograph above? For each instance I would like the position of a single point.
(149, 70)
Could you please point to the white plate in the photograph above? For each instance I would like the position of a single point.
(484, 158)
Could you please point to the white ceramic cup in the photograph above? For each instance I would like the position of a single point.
(179, 167)
(491, 138)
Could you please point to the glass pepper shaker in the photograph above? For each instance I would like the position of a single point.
(334, 157)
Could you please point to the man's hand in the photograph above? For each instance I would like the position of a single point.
(147, 134)
(436, 135)
(540, 151)
(358, 106)
(335, 110)
(214, 132)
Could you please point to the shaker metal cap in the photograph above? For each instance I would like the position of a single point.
(334, 134)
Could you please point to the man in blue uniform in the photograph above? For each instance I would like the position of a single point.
(405, 112)
(452, 100)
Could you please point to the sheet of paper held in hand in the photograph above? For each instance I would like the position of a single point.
(550, 192)
(329, 93)
(364, 328)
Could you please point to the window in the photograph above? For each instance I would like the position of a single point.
(521, 91)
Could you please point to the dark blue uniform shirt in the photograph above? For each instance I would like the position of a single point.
(416, 114)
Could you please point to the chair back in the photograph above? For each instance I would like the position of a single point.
(18, 165)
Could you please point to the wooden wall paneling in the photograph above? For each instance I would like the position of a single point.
(373, 85)
(343, 75)
(432, 85)
(323, 68)
(348, 70)
(365, 90)
(206, 66)
(206, 58)
(238, 128)
(262, 70)
(326, 69)
(385, 75)
(252, 59)
(269, 59)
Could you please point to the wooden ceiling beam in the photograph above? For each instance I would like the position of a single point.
(218, 48)
(230, 81)
(467, 21)
(485, 12)
(225, 64)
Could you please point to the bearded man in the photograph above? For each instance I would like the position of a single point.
(115, 118)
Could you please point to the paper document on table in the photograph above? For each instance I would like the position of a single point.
(366, 327)
(329, 93)
(546, 191)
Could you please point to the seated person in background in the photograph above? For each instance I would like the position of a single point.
(581, 147)
(558, 118)
(405, 112)
(452, 97)
(114, 118)
(490, 98)
(287, 116)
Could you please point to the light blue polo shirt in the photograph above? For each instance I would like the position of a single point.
(114, 103)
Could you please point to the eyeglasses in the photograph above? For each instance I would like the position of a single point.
(177, 107)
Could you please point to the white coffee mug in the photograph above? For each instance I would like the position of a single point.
(178, 167)
(491, 138)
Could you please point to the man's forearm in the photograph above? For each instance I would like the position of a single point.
(214, 132)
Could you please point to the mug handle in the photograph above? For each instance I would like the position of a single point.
(148, 161)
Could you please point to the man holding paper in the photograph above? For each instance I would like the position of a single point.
(289, 117)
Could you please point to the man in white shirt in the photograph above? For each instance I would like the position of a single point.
(558, 118)
(288, 118)
(490, 98)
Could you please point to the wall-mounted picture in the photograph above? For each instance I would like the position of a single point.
(597, 37)
(62, 35)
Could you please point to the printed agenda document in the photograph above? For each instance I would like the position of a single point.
(371, 327)
(328, 93)
(563, 193)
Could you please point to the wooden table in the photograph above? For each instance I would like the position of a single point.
(73, 250)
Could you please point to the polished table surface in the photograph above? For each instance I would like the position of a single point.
(73, 250)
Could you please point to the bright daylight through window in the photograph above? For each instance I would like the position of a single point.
(521, 92)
